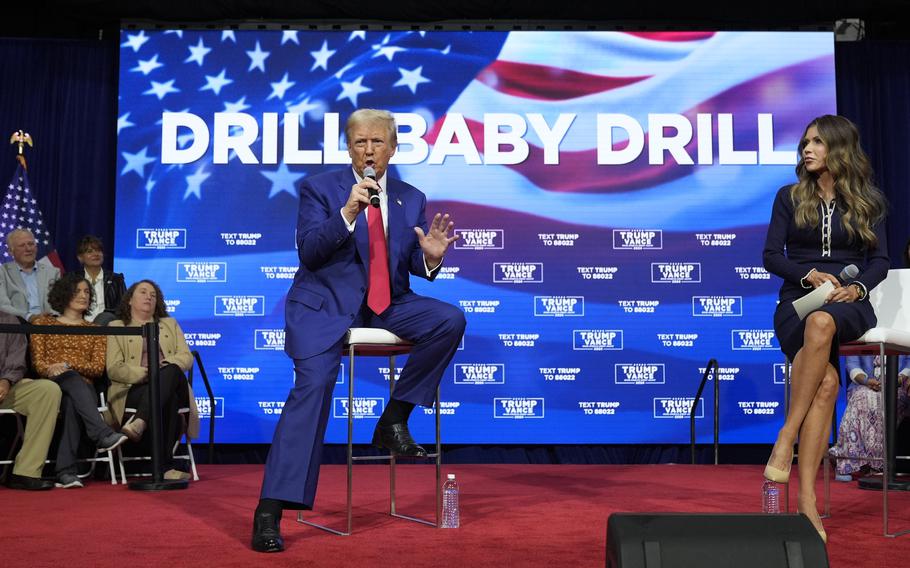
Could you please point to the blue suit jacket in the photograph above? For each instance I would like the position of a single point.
(330, 285)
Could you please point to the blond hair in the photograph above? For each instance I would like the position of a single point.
(372, 116)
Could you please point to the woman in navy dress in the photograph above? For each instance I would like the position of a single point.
(831, 218)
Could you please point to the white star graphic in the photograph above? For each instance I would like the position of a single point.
(302, 108)
(124, 122)
(228, 34)
(146, 67)
(198, 53)
(238, 106)
(178, 33)
(283, 180)
(411, 79)
(279, 88)
(216, 82)
(358, 34)
(257, 58)
(322, 56)
(136, 162)
(351, 90)
(388, 51)
(161, 90)
(447, 49)
(135, 41)
(289, 35)
(194, 183)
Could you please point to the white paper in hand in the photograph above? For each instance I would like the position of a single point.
(813, 300)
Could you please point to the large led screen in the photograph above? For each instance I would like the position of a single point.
(612, 192)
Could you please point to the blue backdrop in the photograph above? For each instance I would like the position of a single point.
(611, 189)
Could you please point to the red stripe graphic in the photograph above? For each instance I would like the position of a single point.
(542, 82)
(673, 36)
(588, 177)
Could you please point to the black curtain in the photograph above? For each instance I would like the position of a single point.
(873, 90)
(64, 93)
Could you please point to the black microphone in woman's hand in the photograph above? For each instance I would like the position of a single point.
(369, 172)
(848, 273)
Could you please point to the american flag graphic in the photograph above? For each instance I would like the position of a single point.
(544, 81)
(20, 210)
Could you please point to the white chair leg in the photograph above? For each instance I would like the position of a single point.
(110, 465)
(189, 451)
(122, 469)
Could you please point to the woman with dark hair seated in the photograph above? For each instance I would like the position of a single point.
(108, 287)
(127, 367)
(73, 362)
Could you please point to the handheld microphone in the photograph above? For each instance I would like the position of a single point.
(369, 172)
(848, 273)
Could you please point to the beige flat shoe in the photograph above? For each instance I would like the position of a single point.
(134, 429)
(173, 474)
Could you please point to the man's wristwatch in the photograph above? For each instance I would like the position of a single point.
(860, 291)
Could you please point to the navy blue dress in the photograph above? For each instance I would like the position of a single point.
(791, 252)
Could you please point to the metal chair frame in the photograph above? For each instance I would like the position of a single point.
(390, 350)
(888, 352)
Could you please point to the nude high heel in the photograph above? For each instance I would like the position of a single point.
(778, 475)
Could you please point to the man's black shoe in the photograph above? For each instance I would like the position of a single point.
(28, 483)
(397, 439)
(266, 533)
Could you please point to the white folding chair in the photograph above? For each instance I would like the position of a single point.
(95, 459)
(373, 342)
(183, 412)
(888, 339)
(108, 458)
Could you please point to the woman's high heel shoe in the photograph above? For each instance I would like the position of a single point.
(821, 531)
(778, 475)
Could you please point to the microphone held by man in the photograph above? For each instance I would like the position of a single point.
(369, 172)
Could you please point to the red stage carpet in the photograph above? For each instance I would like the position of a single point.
(512, 515)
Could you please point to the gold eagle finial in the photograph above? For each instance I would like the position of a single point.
(21, 138)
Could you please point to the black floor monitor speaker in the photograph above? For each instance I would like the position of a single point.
(696, 540)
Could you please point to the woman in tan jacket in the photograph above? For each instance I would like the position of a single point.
(127, 367)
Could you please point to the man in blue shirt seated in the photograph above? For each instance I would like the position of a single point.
(24, 283)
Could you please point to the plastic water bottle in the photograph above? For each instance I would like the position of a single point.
(450, 503)
(770, 497)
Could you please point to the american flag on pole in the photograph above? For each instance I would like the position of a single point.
(20, 211)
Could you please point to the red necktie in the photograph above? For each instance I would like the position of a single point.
(379, 294)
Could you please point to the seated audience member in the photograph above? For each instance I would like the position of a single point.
(24, 283)
(37, 400)
(73, 362)
(127, 367)
(109, 286)
(861, 433)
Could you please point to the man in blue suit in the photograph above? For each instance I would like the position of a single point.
(355, 262)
